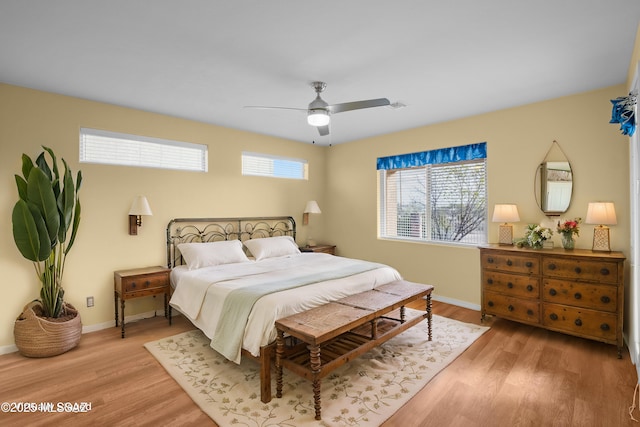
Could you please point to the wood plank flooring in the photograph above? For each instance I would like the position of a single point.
(514, 375)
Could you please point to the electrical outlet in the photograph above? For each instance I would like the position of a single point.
(89, 301)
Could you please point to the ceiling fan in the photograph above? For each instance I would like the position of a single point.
(319, 112)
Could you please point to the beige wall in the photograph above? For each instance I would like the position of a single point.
(29, 119)
(342, 178)
(517, 140)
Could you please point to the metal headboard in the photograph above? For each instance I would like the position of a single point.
(201, 230)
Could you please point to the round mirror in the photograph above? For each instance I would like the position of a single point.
(554, 182)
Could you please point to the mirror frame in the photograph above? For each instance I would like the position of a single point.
(542, 173)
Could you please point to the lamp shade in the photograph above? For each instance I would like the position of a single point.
(601, 213)
(505, 213)
(312, 207)
(140, 206)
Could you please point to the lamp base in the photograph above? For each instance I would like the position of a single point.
(505, 236)
(601, 241)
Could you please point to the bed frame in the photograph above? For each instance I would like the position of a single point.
(202, 230)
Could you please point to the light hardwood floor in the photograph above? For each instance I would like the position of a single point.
(514, 375)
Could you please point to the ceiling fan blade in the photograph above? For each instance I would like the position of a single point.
(323, 130)
(275, 108)
(357, 105)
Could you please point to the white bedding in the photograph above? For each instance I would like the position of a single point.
(199, 294)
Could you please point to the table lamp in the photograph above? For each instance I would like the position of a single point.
(505, 214)
(602, 214)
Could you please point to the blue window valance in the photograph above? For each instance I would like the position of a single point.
(434, 157)
(624, 112)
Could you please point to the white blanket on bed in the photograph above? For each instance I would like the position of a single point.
(200, 294)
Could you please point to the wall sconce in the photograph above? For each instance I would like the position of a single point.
(311, 208)
(601, 214)
(139, 207)
(505, 214)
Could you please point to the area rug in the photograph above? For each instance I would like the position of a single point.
(363, 392)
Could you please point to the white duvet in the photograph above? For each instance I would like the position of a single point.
(199, 294)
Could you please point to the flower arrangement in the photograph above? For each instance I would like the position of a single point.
(535, 235)
(569, 227)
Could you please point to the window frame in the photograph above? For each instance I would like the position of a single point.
(430, 162)
(122, 149)
(270, 171)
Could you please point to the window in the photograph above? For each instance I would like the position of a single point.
(274, 166)
(437, 195)
(99, 146)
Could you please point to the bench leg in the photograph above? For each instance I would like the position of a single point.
(316, 363)
(428, 300)
(266, 354)
(279, 355)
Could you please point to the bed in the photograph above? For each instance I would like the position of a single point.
(234, 277)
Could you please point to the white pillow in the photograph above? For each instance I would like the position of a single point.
(198, 255)
(270, 247)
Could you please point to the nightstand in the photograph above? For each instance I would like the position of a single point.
(137, 283)
(327, 249)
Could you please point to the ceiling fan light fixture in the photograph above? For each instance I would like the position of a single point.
(319, 117)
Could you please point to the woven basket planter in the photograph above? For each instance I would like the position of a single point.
(37, 336)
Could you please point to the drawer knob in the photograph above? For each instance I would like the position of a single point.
(530, 312)
(529, 288)
(578, 322)
(490, 281)
(553, 316)
(605, 327)
(509, 262)
(529, 264)
(605, 299)
(147, 283)
(133, 284)
(510, 308)
(490, 303)
(578, 270)
(552, 266)
(510, 285)
(577, 295)
(490, 260)
(552, 292)
(604, 271)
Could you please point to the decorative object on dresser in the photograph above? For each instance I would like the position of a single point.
(139, 207)
(567, 228)
(505, 214)
(327, 249)
(45, 223)
(601, 214)
(535, 236)
(137, 283)
(575, 292)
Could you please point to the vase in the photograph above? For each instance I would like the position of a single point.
(567, 241)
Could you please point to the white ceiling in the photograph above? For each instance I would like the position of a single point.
(207, 59)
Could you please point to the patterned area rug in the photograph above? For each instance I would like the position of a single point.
(364, 392)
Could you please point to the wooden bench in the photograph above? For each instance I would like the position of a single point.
(331, 335)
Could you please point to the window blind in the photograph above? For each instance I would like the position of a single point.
(257, 164)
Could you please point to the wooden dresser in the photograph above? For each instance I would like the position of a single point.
(577, 292)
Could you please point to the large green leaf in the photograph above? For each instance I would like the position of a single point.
(46, 246)
(40, 193)
(66, 200)
(22, 187)
(25, 231)
(27, 165)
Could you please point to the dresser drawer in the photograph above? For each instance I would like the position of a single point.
(599, 271)
(580, 321)
(143, 283)
(511, 284)
(597, 297)
(519, 309)
(510, 263)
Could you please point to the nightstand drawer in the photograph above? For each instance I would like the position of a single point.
(141, 283)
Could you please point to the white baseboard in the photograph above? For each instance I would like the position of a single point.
(93, 328)
(457, 302)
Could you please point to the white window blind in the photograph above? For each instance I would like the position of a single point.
(257, 164)
(105, 147)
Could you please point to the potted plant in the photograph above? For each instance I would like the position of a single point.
(45, 223)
